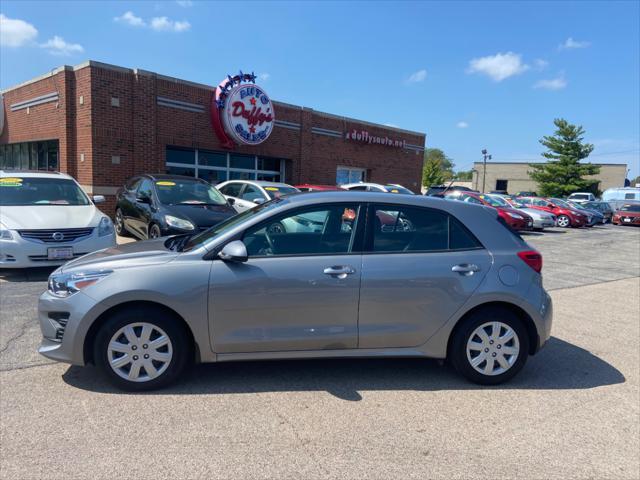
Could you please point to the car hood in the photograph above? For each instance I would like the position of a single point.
(148, 252)
(536, 214)
(203, 216)
(628, 214)
(33, 217)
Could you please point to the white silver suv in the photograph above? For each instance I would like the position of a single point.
(246, 194)
(47, 219)
(581, 197)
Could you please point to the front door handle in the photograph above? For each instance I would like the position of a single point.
(466, 269)
(339, 271)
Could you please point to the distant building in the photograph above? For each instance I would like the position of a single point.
(514, 176)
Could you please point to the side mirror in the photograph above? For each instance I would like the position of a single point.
(99, 199)
(144, 199)
(258, 201)
(231, 200)
(235, 251)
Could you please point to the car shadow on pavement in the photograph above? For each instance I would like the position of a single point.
(38, 274)
(560, 365)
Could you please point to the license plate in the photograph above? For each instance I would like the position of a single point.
(628, 220)
(60, 253)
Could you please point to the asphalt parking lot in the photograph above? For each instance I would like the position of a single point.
(573, 412)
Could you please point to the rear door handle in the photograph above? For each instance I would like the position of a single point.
(465, 268)
(339, 271)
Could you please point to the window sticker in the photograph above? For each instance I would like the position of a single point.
(164, 183)
(271, 189)
(10, 182)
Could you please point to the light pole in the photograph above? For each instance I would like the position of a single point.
(485, 157)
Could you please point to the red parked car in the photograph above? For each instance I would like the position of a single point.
(307, 187)
(516, 219)
(627, 215)
(567, 217)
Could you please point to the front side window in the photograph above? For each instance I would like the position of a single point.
(22, 191)
(251, 193)
(414, 229)
(145, 190)
(187, 192)
(321, 230)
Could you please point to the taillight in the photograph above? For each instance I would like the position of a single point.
(532, 258)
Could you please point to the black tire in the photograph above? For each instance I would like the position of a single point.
(276, 228)
(118, 223)
(458, 348)
(154, 231)
(564, 218)
(180, 344)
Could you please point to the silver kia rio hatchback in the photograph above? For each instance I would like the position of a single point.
(315, 275)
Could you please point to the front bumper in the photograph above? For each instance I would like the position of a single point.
(22, 253)
(543, 223)
(63, 341)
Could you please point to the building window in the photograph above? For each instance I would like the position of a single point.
(346, 175)
(502, 184)
(30, 156)
(216, 167)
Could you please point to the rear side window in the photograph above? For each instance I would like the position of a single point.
(414, 229)
(629, 196)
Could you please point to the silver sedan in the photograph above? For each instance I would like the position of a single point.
(541, 220)
(377, 275)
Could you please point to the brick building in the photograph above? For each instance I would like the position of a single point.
(102, 124)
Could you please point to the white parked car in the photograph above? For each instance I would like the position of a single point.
(377, 187)
(47, 219)
(246, 194)
(581, 197)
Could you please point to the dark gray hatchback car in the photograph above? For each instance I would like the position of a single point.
(319, 275)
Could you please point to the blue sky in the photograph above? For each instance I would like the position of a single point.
(471, 75)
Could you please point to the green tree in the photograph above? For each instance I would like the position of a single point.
(563, 173)
(435, 161)
(432, 173)
(464, 175)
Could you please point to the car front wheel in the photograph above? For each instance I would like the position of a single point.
(121, 230)
(490, 347)
(564, 221)
(141, 349)
(154, 231)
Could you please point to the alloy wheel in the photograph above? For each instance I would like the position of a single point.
(493, 348)
(563, 221)
(119, 222)
(139, 352)
(154, 231)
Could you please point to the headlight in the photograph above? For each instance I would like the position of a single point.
(64, 284)
(5, 233)
(180, 223)
(105, 227)
(515, 215)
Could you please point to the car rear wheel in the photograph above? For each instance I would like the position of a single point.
(490, 347)
(121, 230)
(564, 221)
(141, 349)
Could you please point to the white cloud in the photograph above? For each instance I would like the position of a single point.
(557, 83)
(130, 19)
(499, 66)
(164, 24)
(540, 64)
(418, 76)
(15, 33)
(462, 124)
(264, 76)
(570, 44)
(58, 46)
(185, 3)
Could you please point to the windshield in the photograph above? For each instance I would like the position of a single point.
(499, 200)
(188, 192)
(228, 224)
(630, 208)
(398, 189)
(491, 201)
(277, 191)
(38, 191)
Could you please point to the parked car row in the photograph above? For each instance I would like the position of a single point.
(47, 219)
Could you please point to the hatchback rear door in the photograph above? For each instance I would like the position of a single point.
(419, 267)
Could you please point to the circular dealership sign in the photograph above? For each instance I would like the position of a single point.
(247, 116)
